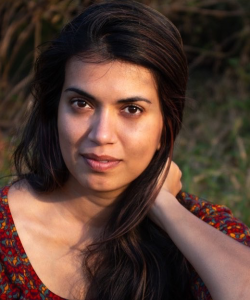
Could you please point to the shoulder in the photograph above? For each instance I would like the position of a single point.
(7, 226)
(4, 197)
(17, 277)
(8, 254)
(5, 216)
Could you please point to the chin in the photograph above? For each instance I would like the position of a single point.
(101, 185)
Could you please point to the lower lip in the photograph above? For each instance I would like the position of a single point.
(100, 166)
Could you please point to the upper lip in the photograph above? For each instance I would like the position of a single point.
(100, 157)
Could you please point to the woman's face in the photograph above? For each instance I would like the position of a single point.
(109, 123)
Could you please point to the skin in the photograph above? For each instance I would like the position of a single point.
(58, 226)
(107, 109)
(120, 117)
(222, 263)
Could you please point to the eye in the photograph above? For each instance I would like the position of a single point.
(80, 103)
(133, 110)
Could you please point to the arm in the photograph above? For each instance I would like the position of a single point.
(222, 263)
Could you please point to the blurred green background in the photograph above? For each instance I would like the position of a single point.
(213, 149)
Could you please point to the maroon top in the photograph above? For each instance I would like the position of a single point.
(18, 280)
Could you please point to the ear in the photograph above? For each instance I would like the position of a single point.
(159, 146)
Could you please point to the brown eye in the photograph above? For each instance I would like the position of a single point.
(79, 103)
(133, 110)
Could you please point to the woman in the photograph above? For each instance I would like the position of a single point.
(93, 214)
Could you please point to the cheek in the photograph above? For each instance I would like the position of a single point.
(144, 141)
(69, 129)
(63, 133)
(68, 136)
(69, 141)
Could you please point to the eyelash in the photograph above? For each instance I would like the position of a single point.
(134, 106)
(76, 101)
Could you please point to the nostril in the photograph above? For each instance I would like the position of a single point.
(102, 131)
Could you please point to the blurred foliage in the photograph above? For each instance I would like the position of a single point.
(213, 149)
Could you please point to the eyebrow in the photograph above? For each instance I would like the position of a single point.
(87, 95)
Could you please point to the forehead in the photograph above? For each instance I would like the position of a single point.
(115, 76)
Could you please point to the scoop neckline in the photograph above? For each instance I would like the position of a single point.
(18, 242)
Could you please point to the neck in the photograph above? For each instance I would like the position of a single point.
(92, 208)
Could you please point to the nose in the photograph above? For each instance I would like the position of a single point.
(102, 129)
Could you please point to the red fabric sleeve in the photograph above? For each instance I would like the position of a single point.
(220, 217)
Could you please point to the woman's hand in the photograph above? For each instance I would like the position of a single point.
(221, 262)
(173, 183)
(165, 201)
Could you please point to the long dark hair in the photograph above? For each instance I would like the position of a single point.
(134, 259)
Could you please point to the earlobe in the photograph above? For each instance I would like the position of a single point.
(159, 146)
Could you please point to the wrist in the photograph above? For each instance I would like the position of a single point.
(165, 209)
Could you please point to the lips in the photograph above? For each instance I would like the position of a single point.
(100, 163)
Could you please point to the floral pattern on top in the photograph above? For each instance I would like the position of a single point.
(221, 218)
(18, 280)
